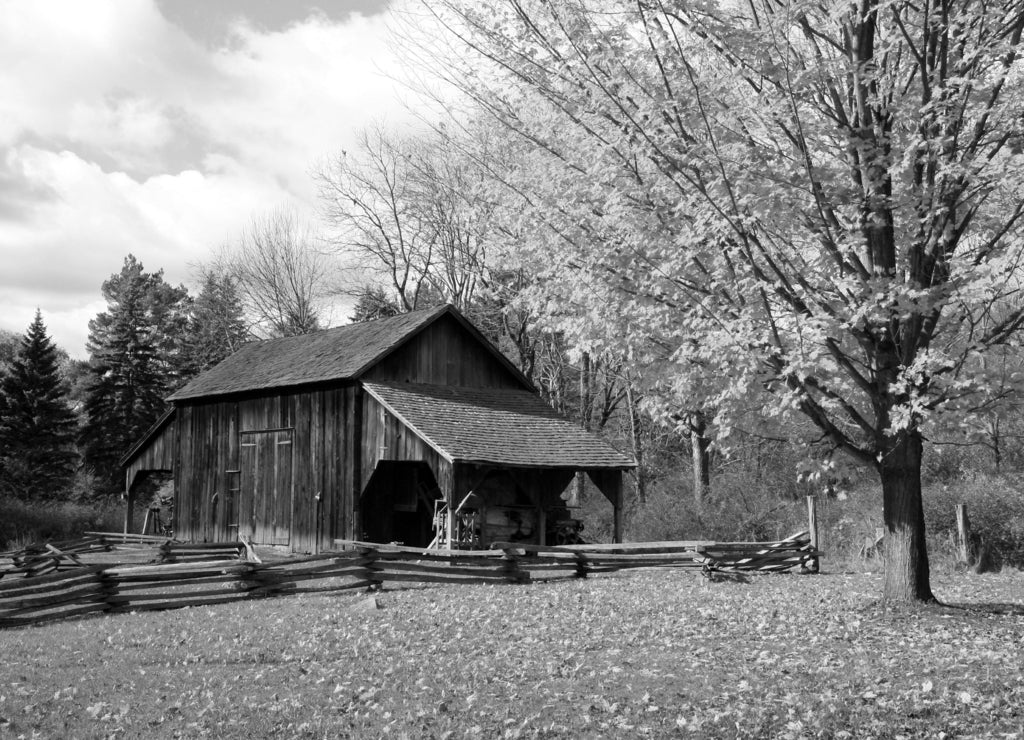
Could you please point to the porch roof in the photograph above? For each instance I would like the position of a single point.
(495, 426)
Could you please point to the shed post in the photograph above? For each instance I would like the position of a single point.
(963, 536)
(129, 495)
(609, 482)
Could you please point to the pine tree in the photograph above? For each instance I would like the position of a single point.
(38, 457)
(135, 358)
(216, 326)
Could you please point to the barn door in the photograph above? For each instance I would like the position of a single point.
(265, 497)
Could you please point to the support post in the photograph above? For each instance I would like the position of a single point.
(609, 482)
(812, 526)
(129, 496)
(964, 550)
(617, 513)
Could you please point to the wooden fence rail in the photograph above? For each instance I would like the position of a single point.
(200, 574)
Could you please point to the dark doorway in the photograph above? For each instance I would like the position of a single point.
(397, 504)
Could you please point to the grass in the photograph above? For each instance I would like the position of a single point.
(23, 523)
(654, 654)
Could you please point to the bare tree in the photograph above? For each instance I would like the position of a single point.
(408, 211)
(281, 273)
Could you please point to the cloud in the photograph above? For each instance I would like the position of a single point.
(121, 133)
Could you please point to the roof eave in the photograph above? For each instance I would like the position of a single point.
(154, 430)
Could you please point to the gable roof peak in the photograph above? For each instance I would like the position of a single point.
(342, 353)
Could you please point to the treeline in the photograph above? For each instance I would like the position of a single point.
(65, 423)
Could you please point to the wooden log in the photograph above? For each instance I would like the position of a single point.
(384, 550)
(394, 567)
(964, 548)
(429, 578)
(322, 571)
(52, 616)
(14, 587)
(328, 589)
(138, 598)
(42, 601)
(149, 585)
(182, 603)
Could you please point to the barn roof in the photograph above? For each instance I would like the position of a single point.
(495, 426)
(148, 436)
(343, 353)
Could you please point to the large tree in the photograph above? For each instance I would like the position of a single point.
(799, 207)
(135, 351)
(408, 212)
(280, 272)
(38, 456)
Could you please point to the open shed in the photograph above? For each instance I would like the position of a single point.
(413, 429)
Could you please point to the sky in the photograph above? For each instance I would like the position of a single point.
(160, 128)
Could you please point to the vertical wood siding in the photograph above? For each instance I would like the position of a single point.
(210, 477)
(384, 437)
(445, 353)
(158, 454)
(337, 436)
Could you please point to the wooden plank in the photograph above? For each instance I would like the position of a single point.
(10, 607)
(327, 589)
(49, 617)
(12, 587)
(427, 578)
(148, 585)
(182, 603)
(138, 598)
(412, 568)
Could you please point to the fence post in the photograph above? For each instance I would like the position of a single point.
(368, 562)
(963, 536)
(812, 526)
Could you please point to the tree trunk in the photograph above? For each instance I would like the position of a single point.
(637, 443)
(906, 555)
(699, 445)
(586, 407)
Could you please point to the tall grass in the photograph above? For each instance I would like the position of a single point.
(849, 523)
(22, 523)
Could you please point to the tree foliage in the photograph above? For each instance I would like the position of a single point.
(779, 208)
(216, 323)
(38, 457)
(135, 351)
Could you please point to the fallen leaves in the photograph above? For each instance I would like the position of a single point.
(649, 655)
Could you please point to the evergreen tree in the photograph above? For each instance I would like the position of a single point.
(38, 457)
(135, 358)
(374, 303)
(216, 326)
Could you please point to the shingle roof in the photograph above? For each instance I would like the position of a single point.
(497, 426)
(335, 354)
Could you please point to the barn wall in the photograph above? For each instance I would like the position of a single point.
(158, 454)
(323, 465)
(445, 353)
(384, 437)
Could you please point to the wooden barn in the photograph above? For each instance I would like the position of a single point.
(411, 429)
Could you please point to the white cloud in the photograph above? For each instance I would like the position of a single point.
(119, 133)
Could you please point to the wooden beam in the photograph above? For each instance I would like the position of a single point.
(609, 482)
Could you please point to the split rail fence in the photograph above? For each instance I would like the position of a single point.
(51, 582)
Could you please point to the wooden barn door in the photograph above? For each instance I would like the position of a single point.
(265, 498)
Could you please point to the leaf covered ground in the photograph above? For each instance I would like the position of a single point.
(656, 654)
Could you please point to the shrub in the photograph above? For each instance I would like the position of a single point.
(731, 514)
(22, 523)
(995, 508)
